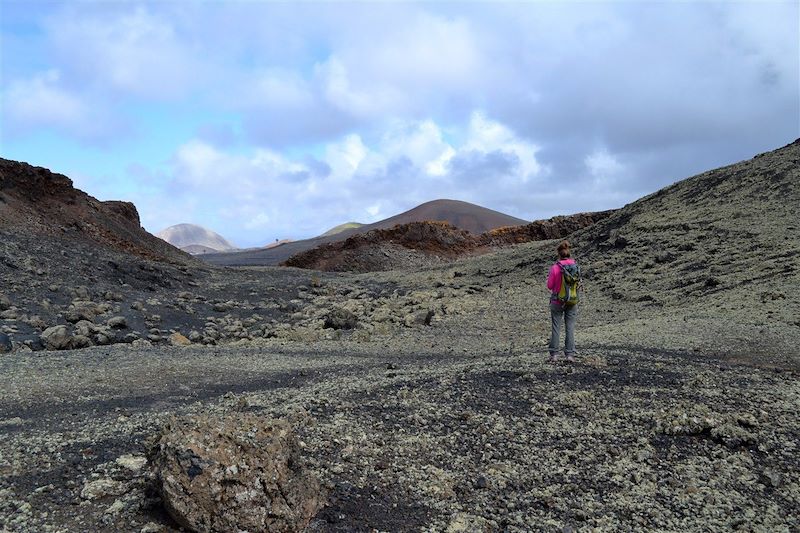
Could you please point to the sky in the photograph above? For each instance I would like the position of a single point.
(267, 120)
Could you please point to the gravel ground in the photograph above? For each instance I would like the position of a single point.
(439, 428)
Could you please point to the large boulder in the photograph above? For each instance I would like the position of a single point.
(240, 472)
(56, 338)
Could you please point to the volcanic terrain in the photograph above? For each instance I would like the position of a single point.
(463, 215)
(420, 397)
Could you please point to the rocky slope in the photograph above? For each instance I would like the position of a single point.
(420, 244)
(192, 238)
(421, 399)
(35, 201)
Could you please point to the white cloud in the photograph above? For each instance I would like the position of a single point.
(42, 101)
(486, 136)
(345, 157)
(260, 221)
(421, 142)
(603, 166)
(135, 51)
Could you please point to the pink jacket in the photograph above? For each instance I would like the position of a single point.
(554, 278)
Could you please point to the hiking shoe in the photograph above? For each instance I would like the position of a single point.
(570, 358)
(553, 358)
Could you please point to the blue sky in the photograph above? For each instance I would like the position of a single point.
(268, 120)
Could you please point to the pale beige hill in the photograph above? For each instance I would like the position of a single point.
(189, 237)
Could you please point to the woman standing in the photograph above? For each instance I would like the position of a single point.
(563, 282)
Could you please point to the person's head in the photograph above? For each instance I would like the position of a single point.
(563, 250)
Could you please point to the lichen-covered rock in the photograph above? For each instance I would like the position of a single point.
(731, 430)
(117, 322)
(234, 473)
(56, 338)
(341, 319)
(100, 488)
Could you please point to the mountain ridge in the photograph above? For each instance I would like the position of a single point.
(462, 215)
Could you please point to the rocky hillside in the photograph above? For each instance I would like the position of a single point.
(463, 215)
(195, 239)
(429, 243)
(711, 263)
(38, 202)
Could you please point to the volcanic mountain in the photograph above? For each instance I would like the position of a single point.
(195, 239)
(420, 244)
(462, 215)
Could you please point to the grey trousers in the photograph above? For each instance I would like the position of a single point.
(569, 315)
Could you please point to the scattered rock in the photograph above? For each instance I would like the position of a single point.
(420, 318)
(117, 322)
(5, 303)
(177, 339)
(467, 523)
(133, 463)
(234, 473)
(81, 341)
(56, 338)
(340, 318)
(101, 488)
(141, 343)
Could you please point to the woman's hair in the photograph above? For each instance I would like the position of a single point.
(563, 250)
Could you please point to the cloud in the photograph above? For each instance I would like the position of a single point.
(289, 118)
(132, 51)
(43, 101)
(260, 194)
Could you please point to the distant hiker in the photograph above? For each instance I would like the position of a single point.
(563, 282)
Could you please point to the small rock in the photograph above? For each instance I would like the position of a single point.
(5, 303)
(134, 463)
(420, 318)
(9, 314)
(100, 488)
(141, 343)
(151, 527)
(467, 523)
(176, 339)
(81, 341)
(104, 338)
(340, 319)
(117, 322)
(56, 338)
(481, 482)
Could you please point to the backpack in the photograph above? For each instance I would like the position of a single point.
(570, 283)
